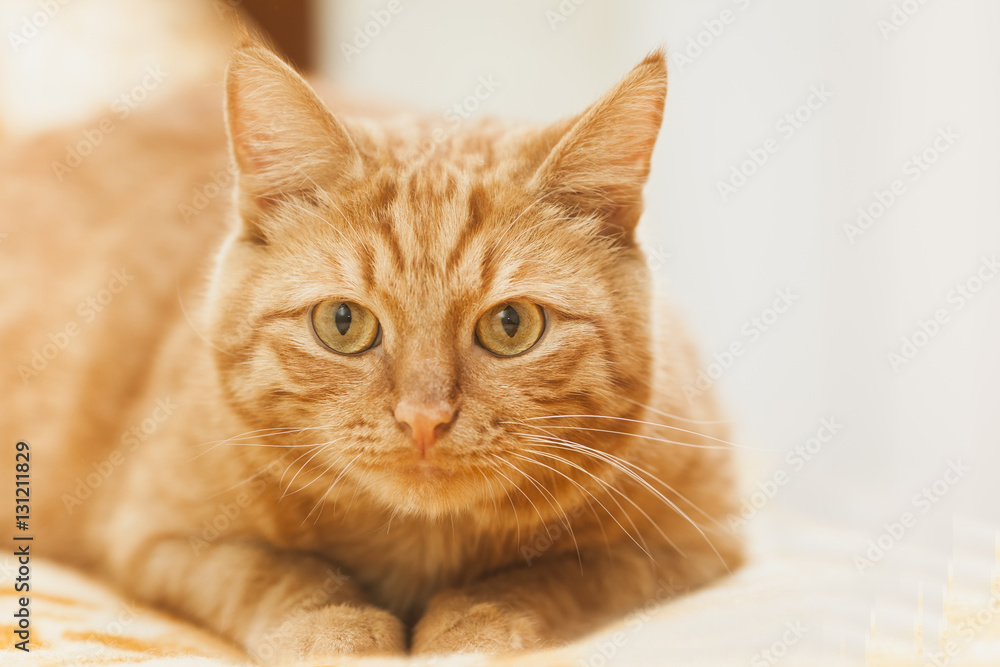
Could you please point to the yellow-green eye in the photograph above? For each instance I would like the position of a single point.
(510, 328)
(344, 326)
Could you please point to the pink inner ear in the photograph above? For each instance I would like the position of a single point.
(255, 147)
(260, 158)
(283, 136)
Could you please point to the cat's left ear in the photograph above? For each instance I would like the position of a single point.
(600, 165)
(283, 138)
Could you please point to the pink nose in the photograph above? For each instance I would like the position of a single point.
(424, 421)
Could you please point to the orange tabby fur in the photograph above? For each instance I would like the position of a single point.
(575, 483)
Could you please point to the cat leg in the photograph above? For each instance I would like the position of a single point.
(278, 605)
(554, 600)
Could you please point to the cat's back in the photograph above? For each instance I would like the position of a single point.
(104, 226)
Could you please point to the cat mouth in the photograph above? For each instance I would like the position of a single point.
(427, 469)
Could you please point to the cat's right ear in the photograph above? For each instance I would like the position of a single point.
(284, 140)
(600, 160)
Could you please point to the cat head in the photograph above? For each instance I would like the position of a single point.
(420, 319)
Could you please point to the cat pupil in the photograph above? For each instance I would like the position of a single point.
(510, 321)
(342, 318)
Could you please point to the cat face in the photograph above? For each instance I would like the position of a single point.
(417, 323)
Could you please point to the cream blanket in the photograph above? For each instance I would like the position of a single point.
(804, 599)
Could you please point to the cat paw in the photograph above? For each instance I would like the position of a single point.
(452, 625)
(331, 631)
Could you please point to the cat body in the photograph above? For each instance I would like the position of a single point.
(197, 441)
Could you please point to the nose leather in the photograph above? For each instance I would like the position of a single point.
(424, 421)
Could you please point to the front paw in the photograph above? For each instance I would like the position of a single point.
(331, 631)
(454, 624)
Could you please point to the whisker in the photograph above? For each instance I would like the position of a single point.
(555, 439)
(547, 495)
(526, 497)
(234, 440)
(615, 461)
(254, 444)
(509, 499)
(237, 484)
(354, 496)
(602, 482)
(263, 433)
(611, 487)
(333, 485)
(644, 547)
(496, 508)
(311, 450)
(677, 417)
(725, 443)
(587, 495)
(180, 302)
(326, 471)
(319, 449)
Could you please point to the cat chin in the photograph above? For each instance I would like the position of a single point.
(424, 489)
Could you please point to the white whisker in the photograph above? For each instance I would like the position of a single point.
(725, 444)
(319, 450)
(611, 487)
(333, 485)
(618, 463)
(677, 417)
(604, 483)
(549, 498)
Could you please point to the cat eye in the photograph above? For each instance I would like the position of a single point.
(510, 328)
(345, 327)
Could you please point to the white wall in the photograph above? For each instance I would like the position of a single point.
(827, 356)
(63, 62)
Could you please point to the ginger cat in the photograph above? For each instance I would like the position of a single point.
(364, 405)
